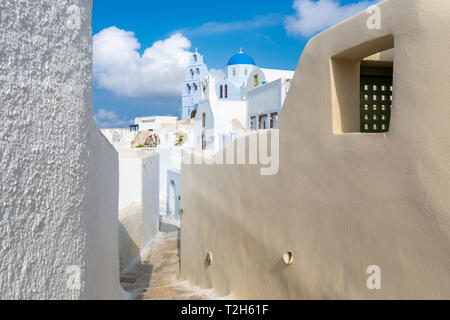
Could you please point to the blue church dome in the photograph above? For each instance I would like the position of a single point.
(241, 58)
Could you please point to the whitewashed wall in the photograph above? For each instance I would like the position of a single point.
(58, 175)
(265, 99)
(138, 202)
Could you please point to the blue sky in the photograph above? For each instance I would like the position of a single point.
(132, 80)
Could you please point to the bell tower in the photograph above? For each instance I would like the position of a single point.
(195, 76)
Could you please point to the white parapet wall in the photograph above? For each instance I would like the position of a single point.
(138, 202)
(58, 175)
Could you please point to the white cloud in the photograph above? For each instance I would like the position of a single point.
(109, 119)
(224, 27)
(314, 16)
(119, 67)
(217, 74)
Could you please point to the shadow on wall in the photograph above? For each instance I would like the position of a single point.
(150, 265)
(167, 227)
(129, 234)
(130, 253)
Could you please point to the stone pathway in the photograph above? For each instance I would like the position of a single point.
(156, 276)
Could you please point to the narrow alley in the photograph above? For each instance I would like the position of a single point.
(157, 275)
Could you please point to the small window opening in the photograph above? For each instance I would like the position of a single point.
(362, 84)
(263, 122)
(380, 78)
(253, 123)
(203, 141)
(273, 119)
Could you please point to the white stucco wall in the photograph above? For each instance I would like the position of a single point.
(265, 99)
(233, 91)
(224, 113)
(59, 179)
(241, 76)
(138, 202)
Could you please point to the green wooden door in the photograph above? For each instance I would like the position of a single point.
(376, 99)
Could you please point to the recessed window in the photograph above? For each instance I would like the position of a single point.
(221, 92)
(255, 80)
(374, 73)
(203, 141)
(262, 121)
(226, 91)
(273, 119)
(252, 123)
(379, 117)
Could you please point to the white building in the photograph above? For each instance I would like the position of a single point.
(246, 98)
(154, 123)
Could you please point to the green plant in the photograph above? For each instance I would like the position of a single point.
(181, 139)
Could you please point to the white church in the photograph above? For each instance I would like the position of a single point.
(215, 110)
(246, 98)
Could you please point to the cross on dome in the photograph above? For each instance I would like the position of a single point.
(241, 58)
